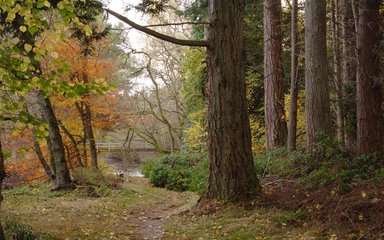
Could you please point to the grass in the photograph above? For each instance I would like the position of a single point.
(73, 215)
(123, 213)
(233, 222)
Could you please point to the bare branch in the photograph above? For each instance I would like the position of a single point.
(158, 35)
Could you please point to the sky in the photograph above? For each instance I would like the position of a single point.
(134, 37)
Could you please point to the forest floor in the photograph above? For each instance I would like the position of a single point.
(136, 210)
(133, 211)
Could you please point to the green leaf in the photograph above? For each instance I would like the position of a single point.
(33, 30)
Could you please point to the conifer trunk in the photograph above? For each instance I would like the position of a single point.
(369, 96)
(318, 115)
(275, 124)
(349, 72)
(292, 123)
(232, 174)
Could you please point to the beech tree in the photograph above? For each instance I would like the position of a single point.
(318, 115)
(232, 174)
(275, 124)
(369, 95)
(24, 29)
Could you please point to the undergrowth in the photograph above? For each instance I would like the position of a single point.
(328, 164)
(178, 171)
(17, 231)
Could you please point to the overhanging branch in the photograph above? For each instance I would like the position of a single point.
(158, 35)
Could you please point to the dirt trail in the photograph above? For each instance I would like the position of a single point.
(151, 223)
(134, 210)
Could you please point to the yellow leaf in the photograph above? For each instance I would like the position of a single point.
(27, 47)
(10, 16)
(23, 28)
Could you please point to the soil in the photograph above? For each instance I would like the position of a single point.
(357, 211)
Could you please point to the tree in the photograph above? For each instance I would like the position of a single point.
(2, 176)
(63, 178)
(85, 70)
(275, 124)
(349, 72)
(337, 72)
(232, 174)
(24, 28)
(369, 95)
(39, 153)
(292, 123)
(318, 116)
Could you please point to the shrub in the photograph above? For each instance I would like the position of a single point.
(178, 171)
(18, 231)
(328, 164)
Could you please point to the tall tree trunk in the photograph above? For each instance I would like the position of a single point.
(337, 72)
(318, 116)
(2, 176)
(292, 123)
(84, 143)
(74, 144)
(63, 179)
(275, 124)
(51, 158)
(369, 96)
(86, 117)
(349, 73)
(232, 174)
(40, 155)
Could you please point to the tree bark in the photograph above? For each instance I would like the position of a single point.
(74, 144)
(318, 116)
(86, 117)
(349, 73)
(51, 158)
(369, 96)
(275, 123)
(340, 116)
(292, 123)
(2, 176)
(63, 179)
(40, 155)
(232, 173)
